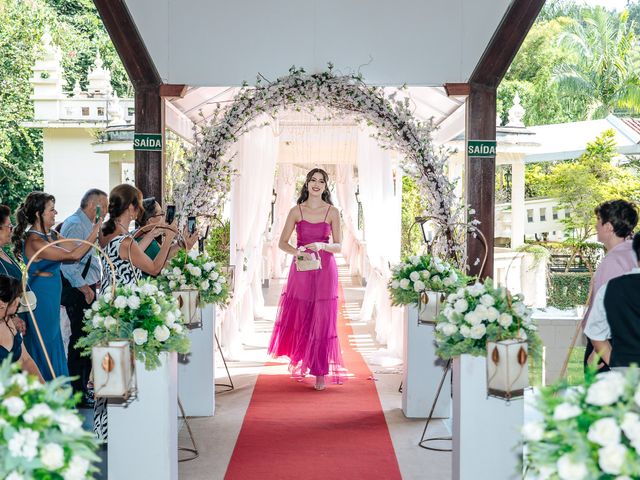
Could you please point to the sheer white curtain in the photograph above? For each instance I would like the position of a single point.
(381, 193)
(285, 188)
(345, 191)
(255, 160)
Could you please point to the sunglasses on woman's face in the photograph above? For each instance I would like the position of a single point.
(10, 227)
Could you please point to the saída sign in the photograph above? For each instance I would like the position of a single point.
(147, 141)
(481, 148)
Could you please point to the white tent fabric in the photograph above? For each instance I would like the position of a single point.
(381, 202)
(256, 156)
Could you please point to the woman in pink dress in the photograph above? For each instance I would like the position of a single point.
(306, 325)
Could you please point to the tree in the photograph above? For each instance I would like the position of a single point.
(602, 72)
(580, 185)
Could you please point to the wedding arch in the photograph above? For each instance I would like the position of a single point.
(208, 181)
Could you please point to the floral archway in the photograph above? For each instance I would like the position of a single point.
(208, 181)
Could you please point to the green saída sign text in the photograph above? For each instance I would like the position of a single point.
(481, 148)
(147, 141)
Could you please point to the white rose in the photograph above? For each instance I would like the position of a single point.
(404, 283)
(604, 432)
(52, 456)
(120, 302)
(631, 426)
(161, 333)
(395, 284)
(533, 431)
(481, 311)
(205, 285)
(95, 306)
(448, 312)
(176, 327)
(487, 300)
(473, 318)
(447, 282)
(19, 379)
(425, 274)
(97, 321)
(461, 305)
(449, 329)
(415, 260)
(222, 279)
(156, 309)
(208, 266)
(39, 410)
(419, 286)
(14, 405)
(565, 411)
(414, 276)
(636, 397)
(476, 290)
(169, 318)
(24, 443)
(133, 302)
(176, 271)
(193, 254)
(196, 271)
(569, 470)
(217, 288)
(140, 336)
(611, 458)
(107, 296)
(453, 276)
(77, 469)
(435, 279)
(465, 331)
(172, 284)
(214, 276)
(68, 422)
(492, 314)
(14, 476)
(110, 322)
(505, 320)
(149, 289)
(478, 331)
(606, 390)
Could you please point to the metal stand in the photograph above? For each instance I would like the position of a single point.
(194, 451)
(227, 386)
(424, 440)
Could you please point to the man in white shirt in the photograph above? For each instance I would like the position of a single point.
(613, 324)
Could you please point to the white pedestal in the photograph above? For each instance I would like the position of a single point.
(143, 436)
(486, 431)
(196, 374)
(422, 367)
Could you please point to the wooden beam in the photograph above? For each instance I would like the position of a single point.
(173, 90)
(149, 171)
(128, 42)
(506, 42)
(457, 89)
(480, 177)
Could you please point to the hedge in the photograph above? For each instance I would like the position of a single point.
(567, 290)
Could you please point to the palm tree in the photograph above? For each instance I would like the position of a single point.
(603, 71)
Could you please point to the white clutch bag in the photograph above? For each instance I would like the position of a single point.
(303, 265)
(27, 300)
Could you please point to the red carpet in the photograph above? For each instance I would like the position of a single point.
(291, 431)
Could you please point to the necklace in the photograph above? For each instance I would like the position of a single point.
(122, 226)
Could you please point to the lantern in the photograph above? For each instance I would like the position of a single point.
(113, 369)
(188, 303)
(430, 306)
(507, 368)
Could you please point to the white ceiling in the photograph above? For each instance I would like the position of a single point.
(216, 43)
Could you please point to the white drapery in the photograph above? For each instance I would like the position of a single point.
(380, 183)
(285, 188)
(352, 247)
(256, 155)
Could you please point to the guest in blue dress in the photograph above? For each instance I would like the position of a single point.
(10, 337)
(8, 266)
(38, 211)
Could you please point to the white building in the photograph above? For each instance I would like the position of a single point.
(87, 135)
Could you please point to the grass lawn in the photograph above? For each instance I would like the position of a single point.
(575, 370)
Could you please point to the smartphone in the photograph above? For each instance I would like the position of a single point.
(191, 224)
(98, 212)
(201, 245)
(171, 214)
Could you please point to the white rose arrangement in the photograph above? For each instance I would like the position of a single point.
(422, 273)
(479, 313)
(195, 271)
(41, 433)
(587, 432)
(144, 314)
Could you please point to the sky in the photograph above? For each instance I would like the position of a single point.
(617, 4)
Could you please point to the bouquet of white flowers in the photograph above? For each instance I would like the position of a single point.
(195, 271)
(142, 313)
(422, 273)
(41, 435)
(479, 313)
(587, 432)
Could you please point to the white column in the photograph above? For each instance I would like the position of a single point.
(518, 213)
(196, 373)
(143, 435)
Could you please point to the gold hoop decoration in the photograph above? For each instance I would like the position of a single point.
(112, 270)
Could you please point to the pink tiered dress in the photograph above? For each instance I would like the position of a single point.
(306, 324)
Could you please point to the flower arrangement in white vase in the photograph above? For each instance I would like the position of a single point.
(41, 435)
(587, 432)
(479, 313)
(143, 314)
(419, 274)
